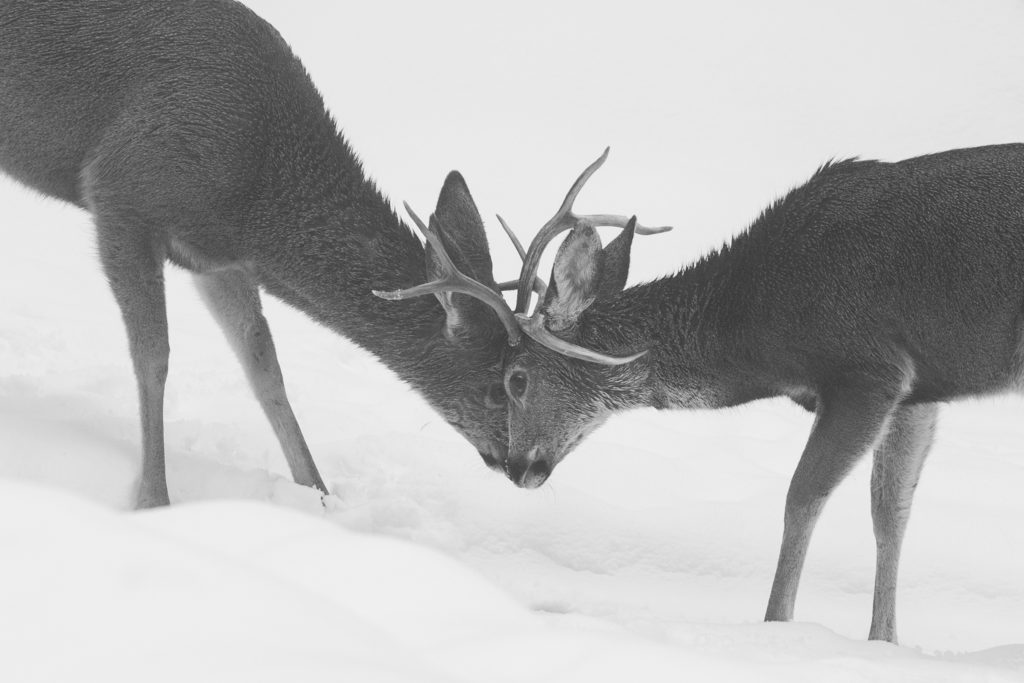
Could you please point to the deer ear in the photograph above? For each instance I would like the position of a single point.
(616, 261)
(575, 278)
(457, 222)
(462, 230)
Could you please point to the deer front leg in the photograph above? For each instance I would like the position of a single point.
(897, 467)
(848, 422)
(133, 265)
(234, 301)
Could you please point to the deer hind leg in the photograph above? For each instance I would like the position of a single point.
(897, 466)
(234, 301)
(848, 422)
(133, 264)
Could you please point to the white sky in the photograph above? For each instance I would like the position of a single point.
(711, 108)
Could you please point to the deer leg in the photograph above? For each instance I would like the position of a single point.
(848, 422)
(897, 466)
(133, 265)
(234, 301)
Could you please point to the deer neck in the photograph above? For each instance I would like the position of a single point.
(697, 326)
(326, 238)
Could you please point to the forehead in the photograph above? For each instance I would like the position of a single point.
(479, 353)
(528, 353)
(542, 364)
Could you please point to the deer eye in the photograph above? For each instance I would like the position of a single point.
(517, 384)
(495, 396)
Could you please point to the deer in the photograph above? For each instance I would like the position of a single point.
(193, 135)
(868, 295)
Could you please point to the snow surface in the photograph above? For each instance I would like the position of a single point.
(650, 554)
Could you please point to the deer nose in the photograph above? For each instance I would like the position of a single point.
(536, 474)
(529, 472)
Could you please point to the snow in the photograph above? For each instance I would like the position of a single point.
(650, 554)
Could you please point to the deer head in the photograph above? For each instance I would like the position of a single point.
(544, 363)
(465, 383)
(559, 386)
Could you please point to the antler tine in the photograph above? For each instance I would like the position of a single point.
(512, 236)
(570, 197)
(563, 220)
(538, 284)
(453, 280)
(534, 328)
(612, 221)
(446, 262)
(513, 285)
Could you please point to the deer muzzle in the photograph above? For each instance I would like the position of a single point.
(529, 472)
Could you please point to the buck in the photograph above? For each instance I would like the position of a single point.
(868, 295)
(193, 135)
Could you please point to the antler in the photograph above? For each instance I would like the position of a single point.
(534, 328)
(564, 219)
(538, 284)
(453, 280)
